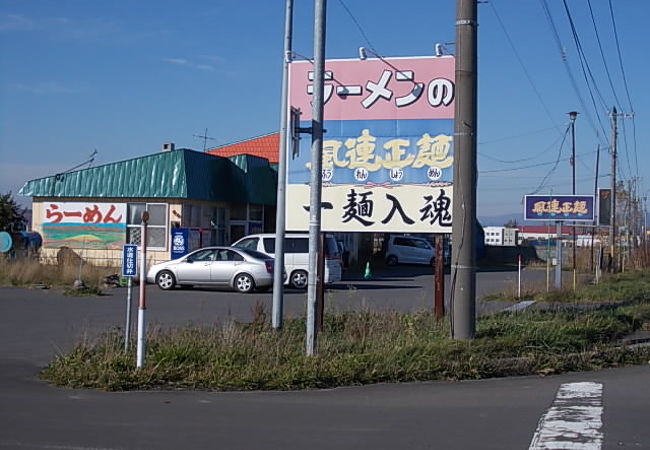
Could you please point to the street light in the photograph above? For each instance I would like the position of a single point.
(572, 116)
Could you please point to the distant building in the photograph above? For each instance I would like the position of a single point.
(501, 236)
(540, 232)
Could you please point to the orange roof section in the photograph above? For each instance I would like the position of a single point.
(263, 147)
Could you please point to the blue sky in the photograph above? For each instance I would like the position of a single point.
(123, 77)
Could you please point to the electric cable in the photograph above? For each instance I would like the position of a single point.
(602, 55)
(523, 66)
(574, 84)
(584, 63)
(557, 161)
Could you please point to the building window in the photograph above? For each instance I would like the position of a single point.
(156, 227)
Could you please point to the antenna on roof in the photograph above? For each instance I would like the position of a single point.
(205, 138)
(59, 176)
(92, 158)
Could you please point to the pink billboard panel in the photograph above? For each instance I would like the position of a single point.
(377, 89)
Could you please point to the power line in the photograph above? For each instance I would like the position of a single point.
(574, 84)
(358, 25)
(515, 136)
(583, 60)
(620, 57)
(625, 84)
(584, 63)
(513, 169)
(514, 161)
(602, 55)
(557, 161)
(523, 66)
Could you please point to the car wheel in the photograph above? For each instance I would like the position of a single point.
(299, 279)
(165, 280)
(244, 283)
(391, 260)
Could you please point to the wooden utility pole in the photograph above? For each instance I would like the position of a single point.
(593, 230)
(612, 222)
(463, 263)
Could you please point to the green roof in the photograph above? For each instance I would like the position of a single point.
(182, 173)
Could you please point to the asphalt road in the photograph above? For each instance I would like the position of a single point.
(486, 414)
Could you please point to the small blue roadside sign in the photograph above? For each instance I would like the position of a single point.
(180, 243)
(129, 260)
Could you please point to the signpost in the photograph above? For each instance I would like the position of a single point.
(129, 270)
(559, 208)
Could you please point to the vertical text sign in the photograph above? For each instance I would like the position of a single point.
(129, 260)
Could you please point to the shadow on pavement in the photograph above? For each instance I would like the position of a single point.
(343, 286)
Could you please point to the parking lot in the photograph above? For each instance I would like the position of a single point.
(60, 320)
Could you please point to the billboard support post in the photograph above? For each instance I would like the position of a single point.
(558, 254)
(439, 296)
(280, 223)
(320, 8)
(320, 290)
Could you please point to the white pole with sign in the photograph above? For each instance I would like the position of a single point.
(129, 270)
(142, 307)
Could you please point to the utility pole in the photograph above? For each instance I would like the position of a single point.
(612, 222)
(316, 180)
(593, 230)
(280, 224)
(463, 265)
(572, 116)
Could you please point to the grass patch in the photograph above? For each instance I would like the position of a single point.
(355, 348)
(26, 272)
(623, 287)
(84, 291)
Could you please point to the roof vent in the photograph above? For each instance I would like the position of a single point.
(168, 147)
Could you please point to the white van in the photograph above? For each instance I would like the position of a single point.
(296, 256)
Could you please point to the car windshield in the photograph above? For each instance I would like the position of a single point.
(255, 254)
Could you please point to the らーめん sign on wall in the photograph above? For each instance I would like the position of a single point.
(387, 149)
(84, 225)
(559, 207)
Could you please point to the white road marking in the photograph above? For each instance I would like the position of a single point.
(16, 444)
(520, 306)
(574, 421)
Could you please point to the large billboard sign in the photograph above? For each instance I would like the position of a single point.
(387, 149)
(559, 207)
(84, 225)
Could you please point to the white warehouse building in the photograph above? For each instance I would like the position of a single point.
(501, 236)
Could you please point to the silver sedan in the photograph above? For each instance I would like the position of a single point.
(241, 269)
